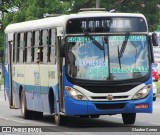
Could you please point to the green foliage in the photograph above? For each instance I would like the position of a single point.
(78, 4)
(27, 10)
(158, 87)
(148, 8)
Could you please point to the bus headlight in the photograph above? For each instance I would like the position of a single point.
(75, 94)
(142, 93)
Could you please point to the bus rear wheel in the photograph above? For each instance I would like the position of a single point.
(37, 115)
(129, 118)
(25, 113)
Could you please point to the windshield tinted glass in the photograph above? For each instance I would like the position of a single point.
(87, 61)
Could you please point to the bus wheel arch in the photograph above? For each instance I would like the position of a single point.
(20, 91)
(51, 100)
(27, 114)
(59, 119)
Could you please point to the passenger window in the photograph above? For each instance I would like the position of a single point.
(52, 48)
(21, 47)
(29, 42)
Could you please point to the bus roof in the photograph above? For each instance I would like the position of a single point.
(61, 21)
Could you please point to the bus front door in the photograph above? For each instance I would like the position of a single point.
(11, 97)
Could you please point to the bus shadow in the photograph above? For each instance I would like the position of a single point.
(77, 122)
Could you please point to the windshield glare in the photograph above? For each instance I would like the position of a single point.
(86, 61)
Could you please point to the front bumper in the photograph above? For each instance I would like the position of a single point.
(75, 108)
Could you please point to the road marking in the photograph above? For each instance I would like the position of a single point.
(13, 120)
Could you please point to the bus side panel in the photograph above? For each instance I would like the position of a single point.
(56, 99)
(18, 81)
(44, 89)
(6, 69)
(32, 87)
(53, 84)
(6, 81)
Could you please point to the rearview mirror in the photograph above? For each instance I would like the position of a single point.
(155, 39)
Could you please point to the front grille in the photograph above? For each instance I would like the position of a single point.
(105, 97)
(109, 89)
(110, 106)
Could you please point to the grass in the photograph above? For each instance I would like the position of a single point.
(158, 87)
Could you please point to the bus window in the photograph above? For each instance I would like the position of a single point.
(36, 44)
(25, 48)
(45, 44)
(21, 47)
(14, 48)
(53, 37)
(52, 43)
(29, 41)
(18, 46)
(53, 55)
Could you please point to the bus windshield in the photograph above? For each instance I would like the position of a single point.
(87, 61)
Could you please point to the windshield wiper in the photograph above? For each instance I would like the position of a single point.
(119, 60)
(124, 45)
(120, 53)
(94, 41)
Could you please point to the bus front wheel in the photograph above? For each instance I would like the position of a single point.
(25, 113)
(60, 119)
(129, 118)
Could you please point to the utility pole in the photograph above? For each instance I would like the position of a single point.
(97, 3)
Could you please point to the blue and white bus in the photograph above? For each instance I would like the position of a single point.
(86, 64)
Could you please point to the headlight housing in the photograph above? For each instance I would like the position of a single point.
(143, 92)
(75, 94)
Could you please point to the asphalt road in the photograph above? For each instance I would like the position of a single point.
(103, 125)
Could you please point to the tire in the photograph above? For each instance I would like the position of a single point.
(37, 115)
(25, 113)
(129, 118)
(60, 119)
(154, 98)
(94, 116)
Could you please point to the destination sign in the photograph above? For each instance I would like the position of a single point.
(81, 39)
(106, 24)
(110, 38)
(129, 70)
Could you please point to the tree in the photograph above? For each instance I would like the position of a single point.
(23, 10)
(35, 9)
(148, 8)
(151, 9)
